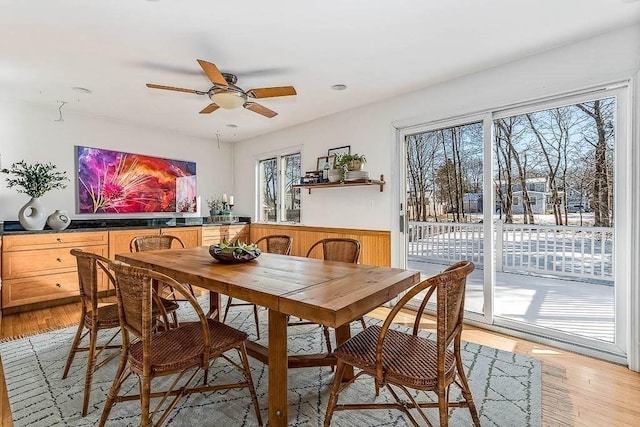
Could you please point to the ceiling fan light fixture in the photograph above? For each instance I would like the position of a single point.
(228, 99)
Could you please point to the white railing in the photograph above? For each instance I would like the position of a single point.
(543, 249)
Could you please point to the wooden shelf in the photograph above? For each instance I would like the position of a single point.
(357, 183)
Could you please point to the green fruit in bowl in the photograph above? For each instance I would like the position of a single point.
(234, 252)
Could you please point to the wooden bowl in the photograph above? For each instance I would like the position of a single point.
(234, 257)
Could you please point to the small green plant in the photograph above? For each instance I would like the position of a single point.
(349, 162)
(236, 247)
(37, 179)
(344, 159)
(215, 204)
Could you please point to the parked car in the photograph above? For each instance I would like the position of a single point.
(576, 209)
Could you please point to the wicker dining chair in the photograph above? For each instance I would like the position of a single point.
(96, 316)
(183, 352)
(333, 249)
(275, 244)
(156, 242)
(408, 361)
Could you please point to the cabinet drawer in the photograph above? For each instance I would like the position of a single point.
(53, 240)
(46, 261)
(30, 290)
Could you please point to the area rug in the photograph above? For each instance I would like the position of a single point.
(506, 387)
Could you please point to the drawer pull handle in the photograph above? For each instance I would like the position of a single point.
(58, 285)
(60, 240)
(59, 259)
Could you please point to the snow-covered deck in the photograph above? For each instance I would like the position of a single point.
(571, 306)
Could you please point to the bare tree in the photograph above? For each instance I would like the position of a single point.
(509, 131)
(551, 129)
(601, 112)
(269, 188)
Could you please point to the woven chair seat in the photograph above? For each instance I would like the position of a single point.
(176, 349)
(107, 317)
(406, 359)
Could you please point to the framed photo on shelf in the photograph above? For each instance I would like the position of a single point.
(338, 151)
(326, 159)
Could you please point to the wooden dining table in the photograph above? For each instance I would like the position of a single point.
(326, 292)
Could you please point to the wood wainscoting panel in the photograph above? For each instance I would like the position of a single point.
(376, 244)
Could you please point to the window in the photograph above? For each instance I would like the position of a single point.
(278, 201)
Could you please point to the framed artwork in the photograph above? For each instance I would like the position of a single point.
(338, 151)
(118, 182)
(326, 159)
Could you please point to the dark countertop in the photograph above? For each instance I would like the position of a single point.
(14, 227)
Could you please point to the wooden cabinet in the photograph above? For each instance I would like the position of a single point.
(38, 268)
(214, 234)
(190, 236)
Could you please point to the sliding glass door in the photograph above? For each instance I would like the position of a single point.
(533, 196)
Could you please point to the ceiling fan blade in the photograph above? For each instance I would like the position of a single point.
(270, 92)
(213, 73)
(260, 109)
(209, 109)
(178, 89)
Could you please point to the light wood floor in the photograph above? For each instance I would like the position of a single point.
(576, 390)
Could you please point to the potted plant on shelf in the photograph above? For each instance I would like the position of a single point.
(352, 162)
(35, 181)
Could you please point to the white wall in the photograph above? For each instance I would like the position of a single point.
(28, 132)
(370, 130)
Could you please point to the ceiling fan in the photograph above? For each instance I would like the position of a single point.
(225, 94)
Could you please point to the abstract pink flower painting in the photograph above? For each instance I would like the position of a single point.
(117, 182)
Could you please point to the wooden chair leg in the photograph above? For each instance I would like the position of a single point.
(74, 347)
(91, 365)
(466, 393)
(255, 316)
(363, 323)
(226, 310)
(145, 401)
(335, 389)
(247, 376)
(327, 339)
(443, 407)
(115, 389)
(193, 294)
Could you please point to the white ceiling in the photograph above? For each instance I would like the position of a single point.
(378, 48)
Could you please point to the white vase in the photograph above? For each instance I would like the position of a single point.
(58, 220)
(32, 215)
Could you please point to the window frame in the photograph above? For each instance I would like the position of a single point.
(280, 201)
